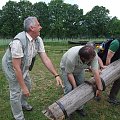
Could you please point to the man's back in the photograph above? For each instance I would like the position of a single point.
(110, 45)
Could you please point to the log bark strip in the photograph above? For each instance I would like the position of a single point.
(80, 95)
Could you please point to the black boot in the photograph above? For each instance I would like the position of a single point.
(113, 101)
(70, 117)
(81, 112)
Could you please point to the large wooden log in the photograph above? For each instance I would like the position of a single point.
(80, 95)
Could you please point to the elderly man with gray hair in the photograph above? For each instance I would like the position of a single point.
(16, 62)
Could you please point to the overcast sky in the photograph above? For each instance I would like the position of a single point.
(86, 5)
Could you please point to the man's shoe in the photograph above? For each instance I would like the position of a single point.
(70, 117)
(113, 101)
(81, 112)
(27, 107)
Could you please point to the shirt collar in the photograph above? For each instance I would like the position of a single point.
(79, 60)
(29, 37)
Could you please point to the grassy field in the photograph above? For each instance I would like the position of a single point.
(45, 92)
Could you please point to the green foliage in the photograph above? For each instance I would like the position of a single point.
(12, 17)
(9, 19)
(59, 20)
(97, 20)
(41, 12)
(114, 27)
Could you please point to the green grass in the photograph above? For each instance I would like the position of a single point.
(45, 92)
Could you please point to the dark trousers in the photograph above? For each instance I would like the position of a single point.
(115, 89)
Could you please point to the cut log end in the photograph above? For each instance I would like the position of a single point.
(48, 114)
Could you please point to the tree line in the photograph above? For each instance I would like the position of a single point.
(58, 20)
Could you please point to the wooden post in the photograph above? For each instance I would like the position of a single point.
(80, 95)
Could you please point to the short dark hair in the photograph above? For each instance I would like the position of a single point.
(87, 52)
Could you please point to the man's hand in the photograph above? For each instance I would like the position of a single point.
(103, 67)
(26, 91)
(98, 92)
(98, 95)
(59, 81)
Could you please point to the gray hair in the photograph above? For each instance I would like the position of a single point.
(29, 21)
(91, 43)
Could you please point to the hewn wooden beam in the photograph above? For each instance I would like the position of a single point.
(80, 95)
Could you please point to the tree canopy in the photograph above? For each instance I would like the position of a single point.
(58, 20)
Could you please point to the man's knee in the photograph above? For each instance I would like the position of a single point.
(67, 89)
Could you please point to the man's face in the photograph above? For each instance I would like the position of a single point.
(36, 29)
(87, 61)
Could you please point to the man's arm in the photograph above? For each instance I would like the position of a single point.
(98, 82)
(47, 62)
(71, 80)
(16, 65)
(114, 46)
(101, 63)
(109, 57)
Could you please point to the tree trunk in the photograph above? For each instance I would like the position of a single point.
(80, 95)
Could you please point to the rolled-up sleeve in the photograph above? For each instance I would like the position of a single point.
(114, 46)
(41, 46)
(16, 49)
(94, 64)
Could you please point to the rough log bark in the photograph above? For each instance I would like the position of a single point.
(80, 95)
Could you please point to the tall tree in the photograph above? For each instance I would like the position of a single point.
(96, 21)
(13, 15)
(1, 22)
(9, 19)
(56, 18)
(25, 9)
(114, 27)
(72, 18)
(41, 12)
(64, 19)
